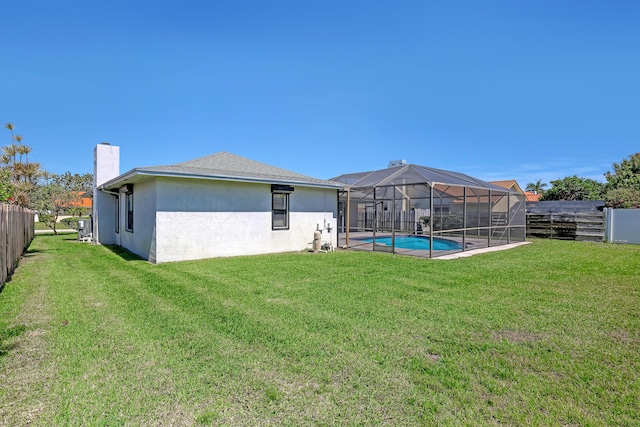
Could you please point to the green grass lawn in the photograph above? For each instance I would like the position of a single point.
(544, 334)
(43, 226)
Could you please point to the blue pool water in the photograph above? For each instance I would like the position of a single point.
(418, 242)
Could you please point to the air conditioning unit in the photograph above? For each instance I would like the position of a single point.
(84, 230)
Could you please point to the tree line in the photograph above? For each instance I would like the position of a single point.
(622, 189)
(25, 183)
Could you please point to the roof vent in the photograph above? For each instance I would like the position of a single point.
(104, 143)
(394, 163)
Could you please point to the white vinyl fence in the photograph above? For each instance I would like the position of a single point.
(622, 225)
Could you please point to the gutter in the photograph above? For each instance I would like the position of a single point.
(218, 177)
(113, 193)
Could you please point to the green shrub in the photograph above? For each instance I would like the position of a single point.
(623, 198)
(72, 222)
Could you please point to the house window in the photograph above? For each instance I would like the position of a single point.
(280, 207)
(129, 203)
(280, 211)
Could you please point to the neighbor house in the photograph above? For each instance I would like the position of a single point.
(83, 200)
(511, 184)
(215, 206)
(532, 196)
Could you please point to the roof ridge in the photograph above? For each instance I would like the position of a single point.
(225, 165)
(199, 158)
(197, 163)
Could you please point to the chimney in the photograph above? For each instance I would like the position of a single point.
(393, 163)
(106, 163)
(106, 166)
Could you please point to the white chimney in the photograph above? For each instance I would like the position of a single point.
(106, 166)
(106, 163)
(393, 163)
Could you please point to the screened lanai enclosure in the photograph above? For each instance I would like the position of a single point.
(416, 210)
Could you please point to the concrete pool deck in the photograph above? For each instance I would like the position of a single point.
(481, 251)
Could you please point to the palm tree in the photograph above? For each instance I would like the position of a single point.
(23, 150)
(24, 190)
(29, 172)
(23, 175)
(5, 159)
(537, 187)
(11, 151)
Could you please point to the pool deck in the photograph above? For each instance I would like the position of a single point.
(481, 251)
(474, 247)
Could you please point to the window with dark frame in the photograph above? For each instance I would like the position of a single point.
(280, 206)
(280, 210)
(129, 203)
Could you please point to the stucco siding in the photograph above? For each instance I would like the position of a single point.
(308, 199)
(141, 240)
(196, 235)
(205, 219)
(199, 195)
(104, 225)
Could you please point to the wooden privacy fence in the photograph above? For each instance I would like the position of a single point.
(567, 220)
(16, 234)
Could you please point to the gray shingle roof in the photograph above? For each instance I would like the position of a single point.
(231, 167)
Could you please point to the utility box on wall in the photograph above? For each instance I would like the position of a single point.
(622, 225)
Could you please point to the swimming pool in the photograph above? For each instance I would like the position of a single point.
(418, 243)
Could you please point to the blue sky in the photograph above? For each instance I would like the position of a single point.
(524, 90)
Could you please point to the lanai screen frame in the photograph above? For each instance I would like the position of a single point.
(469, 214)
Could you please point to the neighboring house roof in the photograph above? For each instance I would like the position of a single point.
(532, 197)
(225, 167)
(510, 184)
(84, 202)
(408, 174)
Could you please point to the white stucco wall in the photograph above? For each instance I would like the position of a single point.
(204, 219)
(104, 226)
(141, 241)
